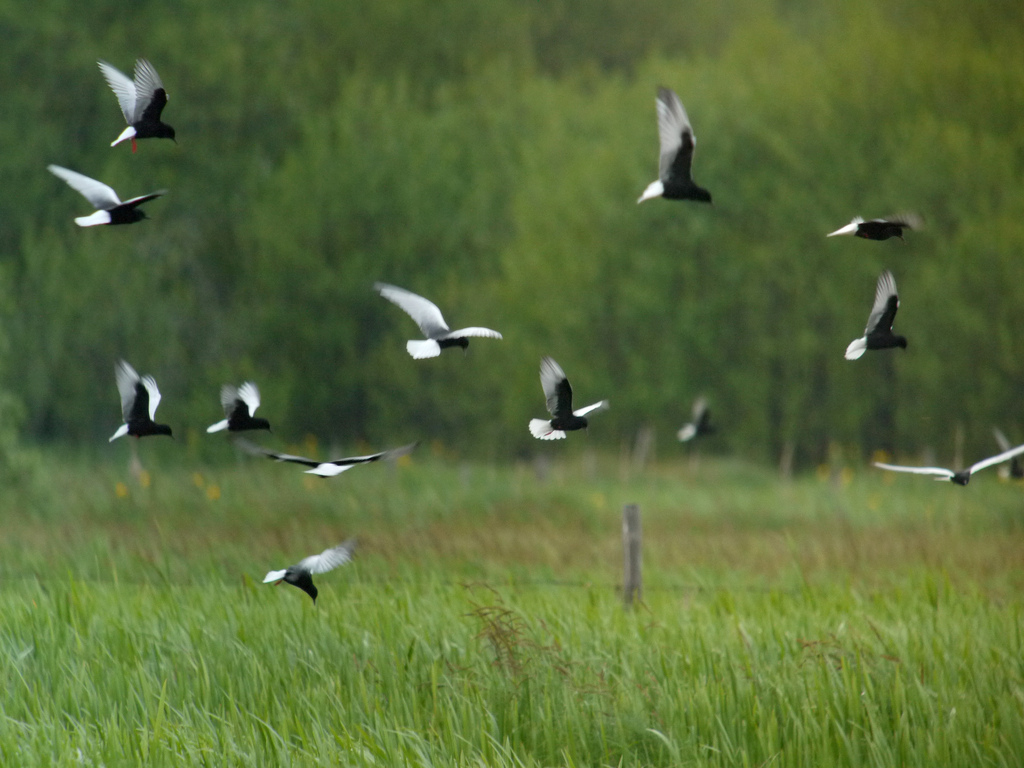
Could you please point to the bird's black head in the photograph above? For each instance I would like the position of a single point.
(303, 580)
(162, 429)
(259, 422)
(165, 132)
(702, 195)
(901, 342)
(463, 342)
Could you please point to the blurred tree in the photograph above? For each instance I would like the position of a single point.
(488, 156)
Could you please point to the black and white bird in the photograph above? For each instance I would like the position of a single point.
(301, 574)
(142, 100)
(428, 317)
(878, 333)
(139, 399)
(880, 229)
(1016, 469)
(962, 477)
(677, 146)
(559, 401)
(700, 423)
(240, 404)
(325, 468)
(109, 208)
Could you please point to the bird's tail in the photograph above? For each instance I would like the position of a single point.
(423, 349)
(542, 430)
(654, 189)
(688, 432)
(121, 432)
(218, 427)
(857, 348)
(127, 133)
(100, 217)
(274, 576)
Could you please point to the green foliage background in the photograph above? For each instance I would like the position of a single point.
(488, 155)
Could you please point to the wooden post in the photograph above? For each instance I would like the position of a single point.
(632, 583)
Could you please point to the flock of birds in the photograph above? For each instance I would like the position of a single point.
(142, 100)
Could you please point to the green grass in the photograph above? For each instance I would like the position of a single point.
(876, 622)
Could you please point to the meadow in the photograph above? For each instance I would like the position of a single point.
(844, 618)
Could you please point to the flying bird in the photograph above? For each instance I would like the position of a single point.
(326, 468)
(878, 333)
(960, 478)
(301, 574)
(559, 401)
(700, 423)
(428, 317)
(1016, 469)
(109, 208)
(142, 100)
(880, 229)
(139, 399)
(240, 404)
(677, 146)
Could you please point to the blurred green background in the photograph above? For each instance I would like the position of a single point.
(488, 155)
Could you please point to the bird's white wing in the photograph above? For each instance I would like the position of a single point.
(997, 459)
(329, 559)
(551, 375)
(126, 379)
(256, 450)
(393, 453)
(97, 193)
(154, 394)
(699, 406)
(672, 121)
(595, 408)
(474, 331)
(885, 288)
(146, 83)
(908, 219)
(150, 196)
(228, 395)
(849, 229)
(124, 88)
(250, 395)
(1004, 444)
(937, 471)
(284, 457)
(426, 314)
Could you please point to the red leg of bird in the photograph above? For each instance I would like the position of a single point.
(134, 147)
